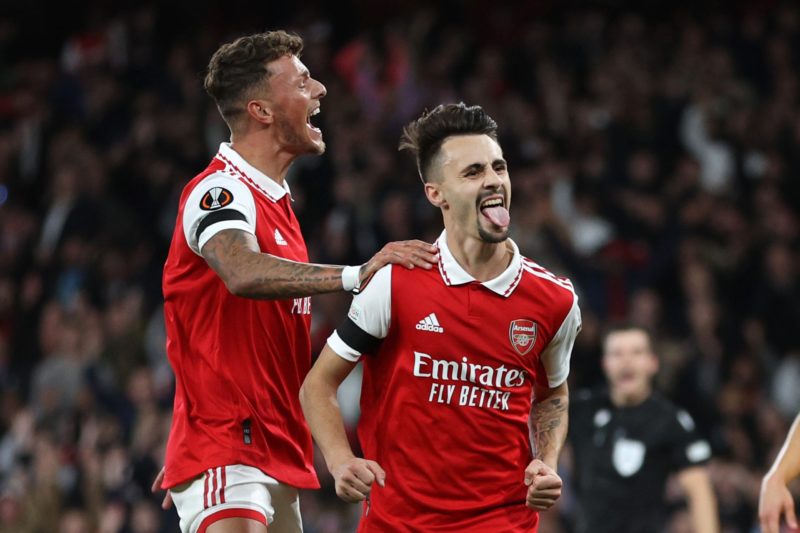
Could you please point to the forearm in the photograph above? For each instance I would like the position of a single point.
(247, 272)
(787, 465)
(266, 277)
(321, 409)
(703, 513)
(700, 497)
(548, 425)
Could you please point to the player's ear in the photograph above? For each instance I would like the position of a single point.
(655, 363)
(434, 194)
(604, 363)
(261, 111)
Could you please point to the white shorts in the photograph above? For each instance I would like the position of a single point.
(237, 491)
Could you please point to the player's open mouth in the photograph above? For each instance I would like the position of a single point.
(312, 113)
(626, 376)
(494, 209)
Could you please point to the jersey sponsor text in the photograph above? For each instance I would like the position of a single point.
(425, 366)
(301, 306)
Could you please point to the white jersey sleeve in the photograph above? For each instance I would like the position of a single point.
(216, 203)
(368, 320)
(555, 357)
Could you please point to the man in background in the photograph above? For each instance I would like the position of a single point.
(627, 439)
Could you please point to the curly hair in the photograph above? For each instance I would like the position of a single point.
(424, 136)
(237, 67)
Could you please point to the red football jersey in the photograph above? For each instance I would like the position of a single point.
(238, 362)
(446, 393)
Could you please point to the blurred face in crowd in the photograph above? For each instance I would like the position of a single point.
(470, 183)
(291, 100)
(629, 364)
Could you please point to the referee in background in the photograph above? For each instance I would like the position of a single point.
(627, 439)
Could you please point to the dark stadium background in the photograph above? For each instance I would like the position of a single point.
(655, 160)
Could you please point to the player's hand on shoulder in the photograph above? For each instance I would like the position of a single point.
(354, 478)
(409, 254)
(775, 500)
(544, 486)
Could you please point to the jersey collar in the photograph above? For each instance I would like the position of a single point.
(453, 274)
(236, 164)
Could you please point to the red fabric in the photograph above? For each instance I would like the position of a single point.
(205, 491)
(237, 359)
(231, 513)
(455, 447)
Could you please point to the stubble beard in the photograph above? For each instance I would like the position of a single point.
(297, 142)
(492, 238)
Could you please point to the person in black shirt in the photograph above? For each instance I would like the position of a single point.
(628, 439)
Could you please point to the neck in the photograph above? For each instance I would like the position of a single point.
(620, 399)
(482, 260)
(264, 152)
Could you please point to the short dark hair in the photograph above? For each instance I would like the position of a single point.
(235, 68)
(622, 326)
(425, 135)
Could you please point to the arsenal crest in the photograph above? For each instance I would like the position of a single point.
(522, 334)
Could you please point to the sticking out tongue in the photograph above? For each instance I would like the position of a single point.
(498, 215)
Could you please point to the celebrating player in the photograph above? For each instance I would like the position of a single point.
(236, 287)
(626, 441)
(457, 360)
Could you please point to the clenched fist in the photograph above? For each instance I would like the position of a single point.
(355, 477)
(544, 486)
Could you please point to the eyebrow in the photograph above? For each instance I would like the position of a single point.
(480, 166)
(474, 166)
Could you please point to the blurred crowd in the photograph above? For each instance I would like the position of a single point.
(654, 159)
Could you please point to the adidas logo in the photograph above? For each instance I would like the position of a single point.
(430, 323)
(279, 238)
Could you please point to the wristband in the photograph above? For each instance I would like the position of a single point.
(351, 278)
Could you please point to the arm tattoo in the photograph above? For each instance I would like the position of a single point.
(549, 427)
(234, 256)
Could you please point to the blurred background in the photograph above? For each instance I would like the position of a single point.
(655, 159)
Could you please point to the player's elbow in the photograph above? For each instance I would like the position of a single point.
(240, 282)
(237, 272)
(315, 392)
(239, 285)
(306, 394)
(543, 392)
